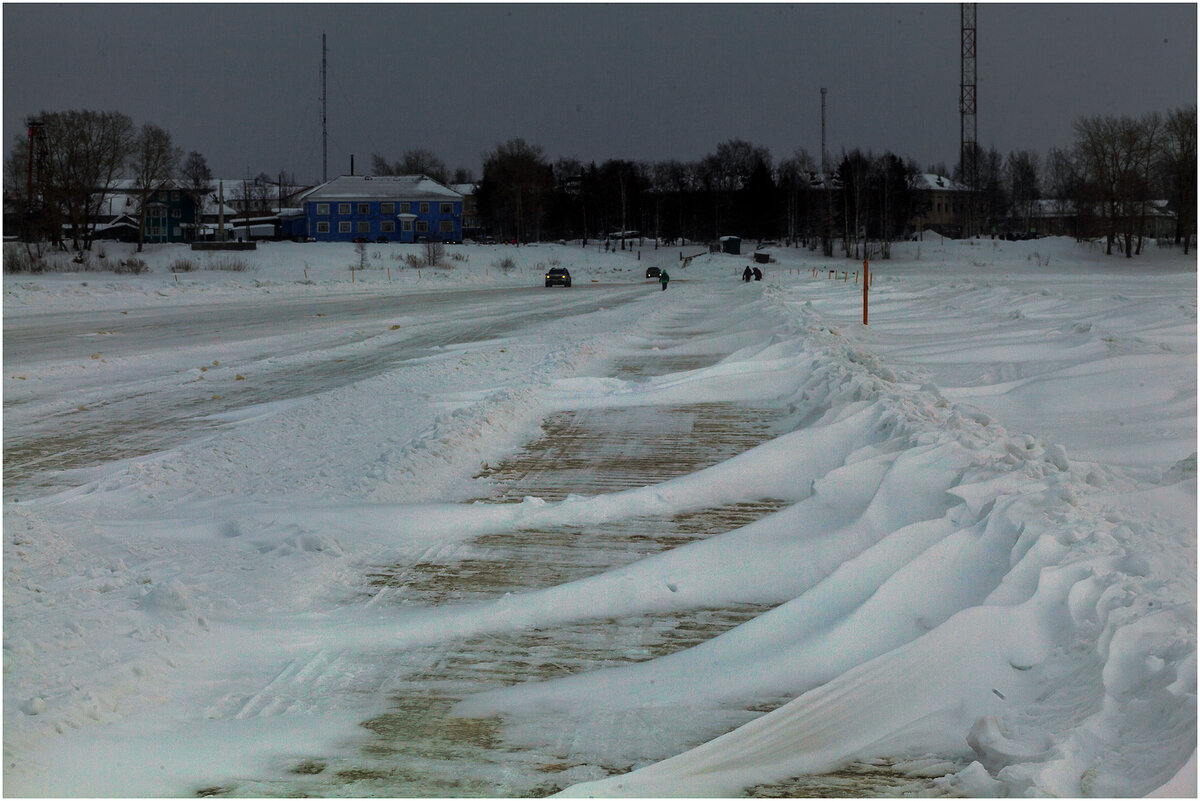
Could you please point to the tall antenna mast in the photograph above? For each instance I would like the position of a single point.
(968, 126)
(827, 236)
(824, 161)
(324, 129)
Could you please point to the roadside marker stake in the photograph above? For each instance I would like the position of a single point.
(866, 283)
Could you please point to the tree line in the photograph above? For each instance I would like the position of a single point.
(1104, 182)
(859, 204)
(738, 189)
(58, 173)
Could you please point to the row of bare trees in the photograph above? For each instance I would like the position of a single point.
(1126, 162)
(420, 161)
(58, 174)
(1105, 182)
(737, 189)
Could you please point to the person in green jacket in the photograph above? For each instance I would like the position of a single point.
(664, 278)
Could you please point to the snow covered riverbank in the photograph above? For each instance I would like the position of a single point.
(983, 567)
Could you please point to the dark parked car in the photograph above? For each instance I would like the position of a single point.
(558, 275)
(653, 272)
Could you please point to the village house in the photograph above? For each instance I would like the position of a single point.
(170, 212)
(472, 223)
(947, 204)
(1062, 218)
(388, 208)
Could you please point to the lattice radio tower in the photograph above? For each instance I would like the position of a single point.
(35, 177)
(324, 118)
(969, 132)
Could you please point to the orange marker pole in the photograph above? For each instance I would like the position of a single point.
(866, 283)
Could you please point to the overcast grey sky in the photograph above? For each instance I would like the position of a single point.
(240, 83)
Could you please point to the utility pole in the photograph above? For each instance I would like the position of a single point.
(324, 118)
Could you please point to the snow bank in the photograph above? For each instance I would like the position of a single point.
(986, 551)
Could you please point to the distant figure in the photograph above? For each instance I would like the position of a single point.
(757, 274)
(746, 273)
(664, 278)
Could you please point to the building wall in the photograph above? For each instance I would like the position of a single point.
(347, 220)
(945, 209)
(166, 215)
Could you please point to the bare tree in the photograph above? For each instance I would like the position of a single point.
(1112, 153)
(516, 180)
(728, 171)
(1021, 170)
(197, 181)
(86, 151)
(795, 177)
(1178, 164)
(991, 195)
(1065, 186)
(1148, 147)
(415, 161)
(153, 164)
(381, 166)
(671, 181)
(254, 196)
(855, 173)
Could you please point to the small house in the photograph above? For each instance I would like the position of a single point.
(169, 211)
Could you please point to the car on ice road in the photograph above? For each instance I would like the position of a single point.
(558, 275)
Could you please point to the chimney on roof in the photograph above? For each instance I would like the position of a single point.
(352, 164)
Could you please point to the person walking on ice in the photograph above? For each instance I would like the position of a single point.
(664, 278)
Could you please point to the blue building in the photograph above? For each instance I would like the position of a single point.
(383, 208)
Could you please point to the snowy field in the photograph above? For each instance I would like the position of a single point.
(977, 566)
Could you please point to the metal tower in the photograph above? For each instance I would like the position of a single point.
(969, 133)
(324, 129)
(35, 177)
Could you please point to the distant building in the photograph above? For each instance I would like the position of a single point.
(211, 214)
(947, 203)
(472, 224)
(383, 208)
(257, 208)
(169, 213)
(1153, 219)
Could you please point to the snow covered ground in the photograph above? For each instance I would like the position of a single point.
(977, 564)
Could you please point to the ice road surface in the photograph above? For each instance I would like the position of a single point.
(297, 530)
